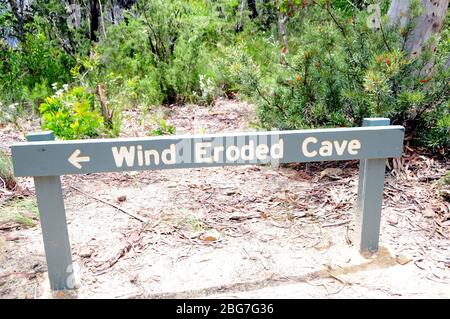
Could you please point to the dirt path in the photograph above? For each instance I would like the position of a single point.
(252, 231)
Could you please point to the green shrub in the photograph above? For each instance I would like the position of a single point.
(7, 178)
(27, 71)
(23, 211)
(335, 71)
(70, 114)
(169, 57)
(163, 128)
(338, 71)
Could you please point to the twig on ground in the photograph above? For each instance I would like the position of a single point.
(136, 216)
(337, 224)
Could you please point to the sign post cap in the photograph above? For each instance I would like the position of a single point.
(40, 136)
(376, 121)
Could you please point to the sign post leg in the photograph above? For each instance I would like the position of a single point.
(52, 216)
(370, 195)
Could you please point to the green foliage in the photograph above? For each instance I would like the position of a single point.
(335, 70)
(22, 211)
(339, 71)
(164, 59)
(446, 179)
(7, 179)
(26, 72)
(70, 114)
(163, 128)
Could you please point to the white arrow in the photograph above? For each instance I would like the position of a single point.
(75, 160)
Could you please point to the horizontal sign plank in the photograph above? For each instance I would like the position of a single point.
(51, 158)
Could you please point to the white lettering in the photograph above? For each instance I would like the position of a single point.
(232, 153)
(170, 152)
(353, 147)
(261, 151)
(340, 148)
(217, 151)
(277, 151)
(200, 152)
(123, 154)
(140, 155)
(326, 149)
(149, 153)
(250, 149)
(305, 146)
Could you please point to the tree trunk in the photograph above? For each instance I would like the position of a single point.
(94, 23)
(429, 23)
(282, 18)
(107, 114)
(102, 18)
(398, 13)
(21, 11)
(252, 6)
(239, 25)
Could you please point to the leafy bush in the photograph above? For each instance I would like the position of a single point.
(27, 71)
(6, 172)
(169, 57)
(334, 71)
(163, 128)
(339, 71)
(70, 114)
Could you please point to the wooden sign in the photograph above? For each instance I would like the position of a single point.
(46, 159)
(113, 155)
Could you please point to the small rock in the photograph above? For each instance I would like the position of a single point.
(230, 192)
(122, 198)
(323, 245)
(133, 279)
(403, 259)
(428, 212)
(85, 252)
(393, 219)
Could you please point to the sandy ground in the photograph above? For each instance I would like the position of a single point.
(234, 232)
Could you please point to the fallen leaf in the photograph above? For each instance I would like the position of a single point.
(263, 215)
(122, 198)
(403, 259)
(210, 235)
(322, 245)
(12, 237)
(331, 172)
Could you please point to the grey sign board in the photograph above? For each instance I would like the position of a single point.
(112, 155)
(46, 159)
